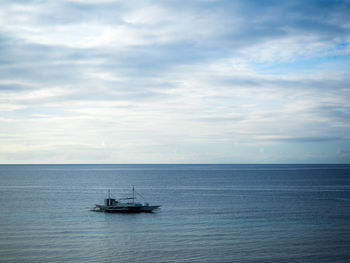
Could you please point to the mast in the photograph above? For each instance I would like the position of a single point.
(133, 194)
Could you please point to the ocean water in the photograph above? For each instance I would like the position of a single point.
(210, 213)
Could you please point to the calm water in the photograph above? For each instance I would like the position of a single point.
(210, 213)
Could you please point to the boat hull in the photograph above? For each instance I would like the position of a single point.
(129, 209)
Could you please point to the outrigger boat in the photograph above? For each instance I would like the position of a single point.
(124, 205)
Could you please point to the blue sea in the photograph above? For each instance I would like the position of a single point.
(209, 213)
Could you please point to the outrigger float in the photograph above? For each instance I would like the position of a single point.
(124, 205)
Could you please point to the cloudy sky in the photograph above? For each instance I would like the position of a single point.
(202, 81)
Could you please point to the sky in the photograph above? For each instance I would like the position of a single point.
(201, 81)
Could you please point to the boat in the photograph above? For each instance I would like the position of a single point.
(124, 205)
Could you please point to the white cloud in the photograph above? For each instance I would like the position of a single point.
(165, 82)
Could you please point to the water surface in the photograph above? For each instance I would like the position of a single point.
(210, 213)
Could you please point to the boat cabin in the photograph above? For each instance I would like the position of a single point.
(110, 202)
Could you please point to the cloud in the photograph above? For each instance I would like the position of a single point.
(199, 81)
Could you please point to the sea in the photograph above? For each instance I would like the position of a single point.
(209, 213)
